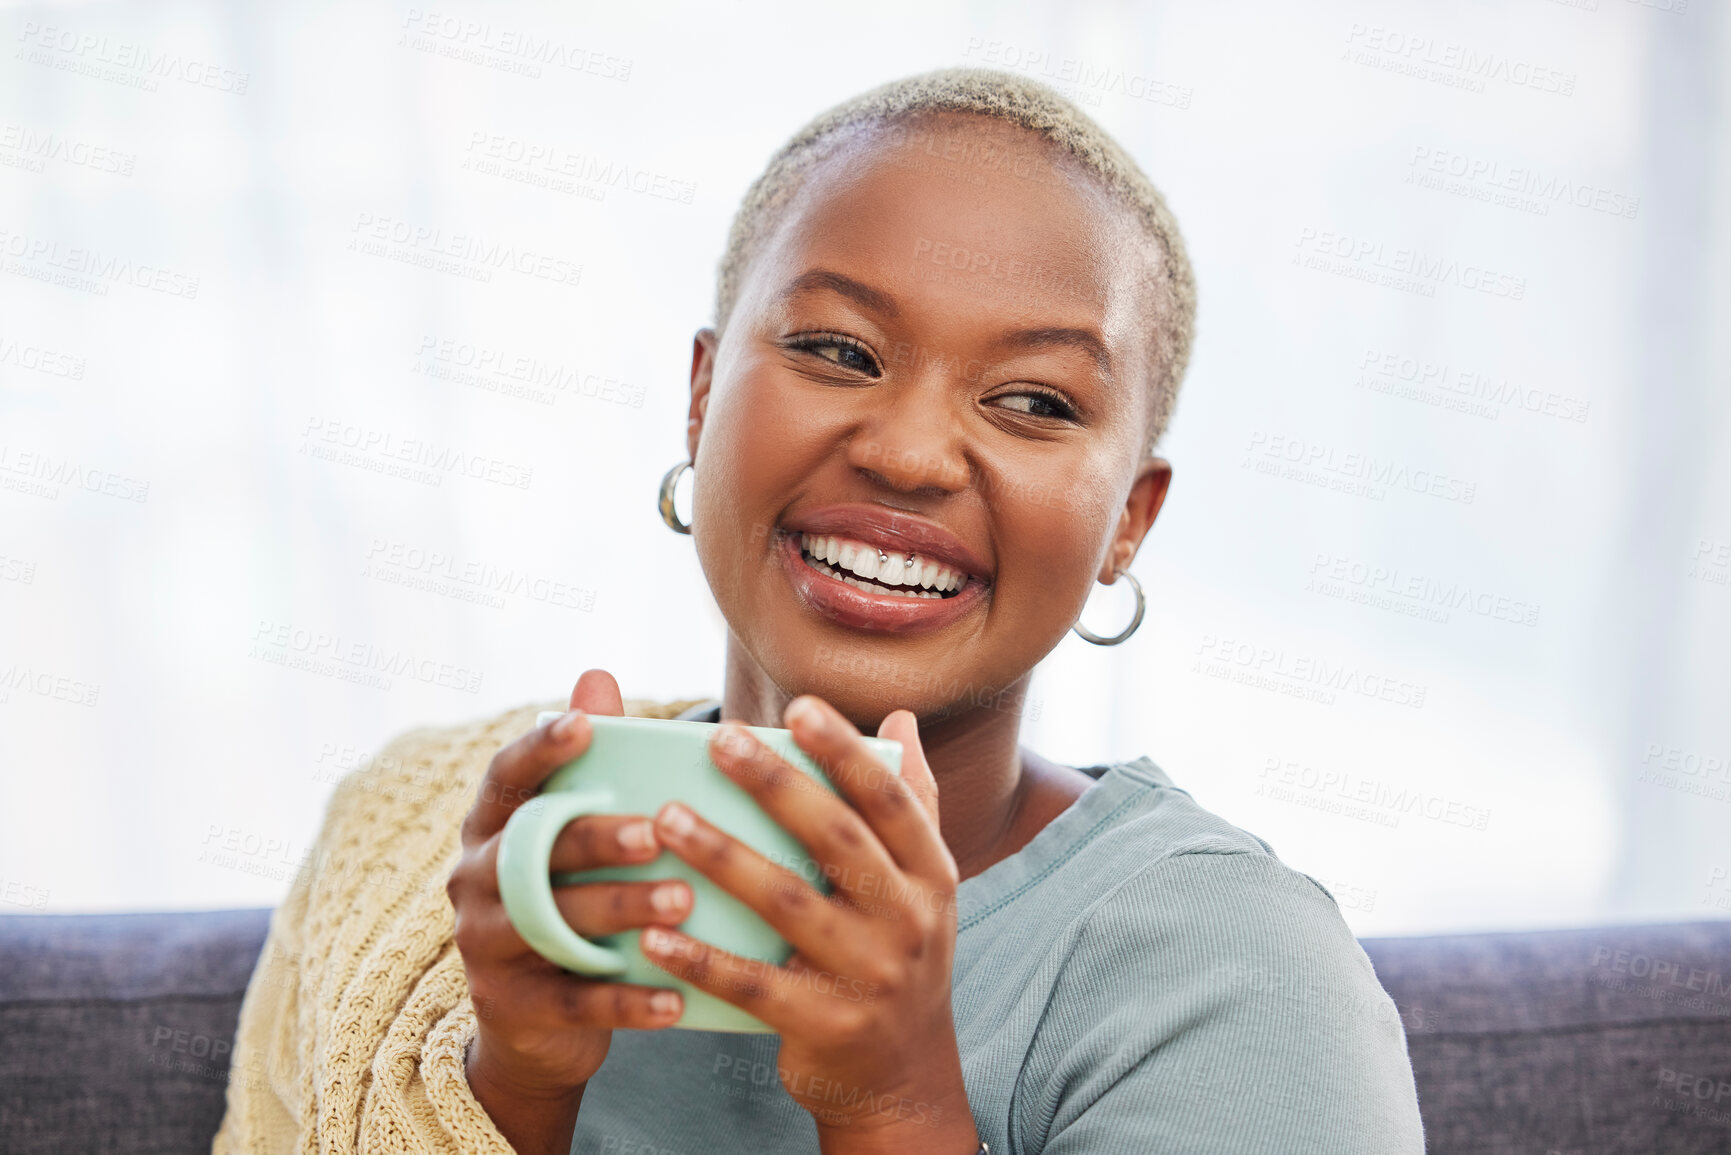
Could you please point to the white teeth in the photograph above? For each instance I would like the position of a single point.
(922, 579)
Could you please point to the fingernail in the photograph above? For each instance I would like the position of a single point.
(636, 837)
(807, 715)
(678, 819)
(566, 726)
(656, 940)
(736, 740)
(664, 1002)
(668, 898)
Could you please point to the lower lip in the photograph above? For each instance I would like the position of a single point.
(886, 613)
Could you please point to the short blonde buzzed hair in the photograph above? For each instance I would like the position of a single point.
(1009, 99)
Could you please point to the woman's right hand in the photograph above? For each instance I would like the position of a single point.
(542, 1030)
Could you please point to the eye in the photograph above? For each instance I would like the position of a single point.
(1040, 403)
(844, 352)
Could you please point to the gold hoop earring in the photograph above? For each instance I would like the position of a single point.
(665, 501)
(1088, 635)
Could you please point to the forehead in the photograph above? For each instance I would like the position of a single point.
(976, 217)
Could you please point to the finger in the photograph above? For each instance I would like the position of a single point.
(481, 914)
(596, 692)
(485, 933)
(833, 832)
(486, 937)
(901, 726)
(756, 987)
(598, 908)
(517, 771)
(548, 996)
(814, 925)
(604, 840)
(888, 801)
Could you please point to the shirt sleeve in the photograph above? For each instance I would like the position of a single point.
(355, 1024)
(1218, 1003)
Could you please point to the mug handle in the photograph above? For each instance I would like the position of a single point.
(526, 890)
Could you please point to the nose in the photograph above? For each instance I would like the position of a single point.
(911, 443)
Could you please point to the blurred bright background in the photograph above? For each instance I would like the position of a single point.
(1440, 605)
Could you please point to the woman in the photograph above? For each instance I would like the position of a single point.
(951, 321)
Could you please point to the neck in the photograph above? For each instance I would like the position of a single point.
(971, 749)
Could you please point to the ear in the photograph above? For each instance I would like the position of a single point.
(702, 375)
(1141, 507)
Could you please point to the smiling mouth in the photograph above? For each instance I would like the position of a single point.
(876, 571)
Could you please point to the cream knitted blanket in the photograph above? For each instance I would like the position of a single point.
(354, 1026)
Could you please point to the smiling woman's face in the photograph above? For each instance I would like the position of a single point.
(931, 357)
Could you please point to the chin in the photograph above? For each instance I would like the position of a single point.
(868, 678)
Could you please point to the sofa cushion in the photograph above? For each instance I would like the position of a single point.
(118, 1031)
(118, 1028)
(1568, 1042)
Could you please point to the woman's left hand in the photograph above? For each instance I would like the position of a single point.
(868, 1045)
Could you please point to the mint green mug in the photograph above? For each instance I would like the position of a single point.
(634, 766)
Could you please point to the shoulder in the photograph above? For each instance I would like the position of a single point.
(428, 768)
(1199, 890)
(1166, 819)
(392, 827)
(420, 784)
(439, 758)
(1215, 971)
(1159, 831)
(1235, 926)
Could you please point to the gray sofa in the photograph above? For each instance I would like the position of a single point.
(115, 1032)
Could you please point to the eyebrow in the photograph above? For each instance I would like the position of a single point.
(1083, 339)
(814, 279)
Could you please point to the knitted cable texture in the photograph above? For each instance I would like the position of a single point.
(354, 1027)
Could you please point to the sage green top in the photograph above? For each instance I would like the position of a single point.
(1143, 977)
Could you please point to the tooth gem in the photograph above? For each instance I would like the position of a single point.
(842, 551)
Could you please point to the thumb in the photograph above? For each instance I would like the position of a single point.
(903, 727)
(597, 693)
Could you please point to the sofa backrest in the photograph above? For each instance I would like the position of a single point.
(1568, 1042)
(117, 1031)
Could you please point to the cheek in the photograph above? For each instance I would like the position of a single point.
(1052, 533)
(753, 452)
(766, 425)
(1056, 543)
